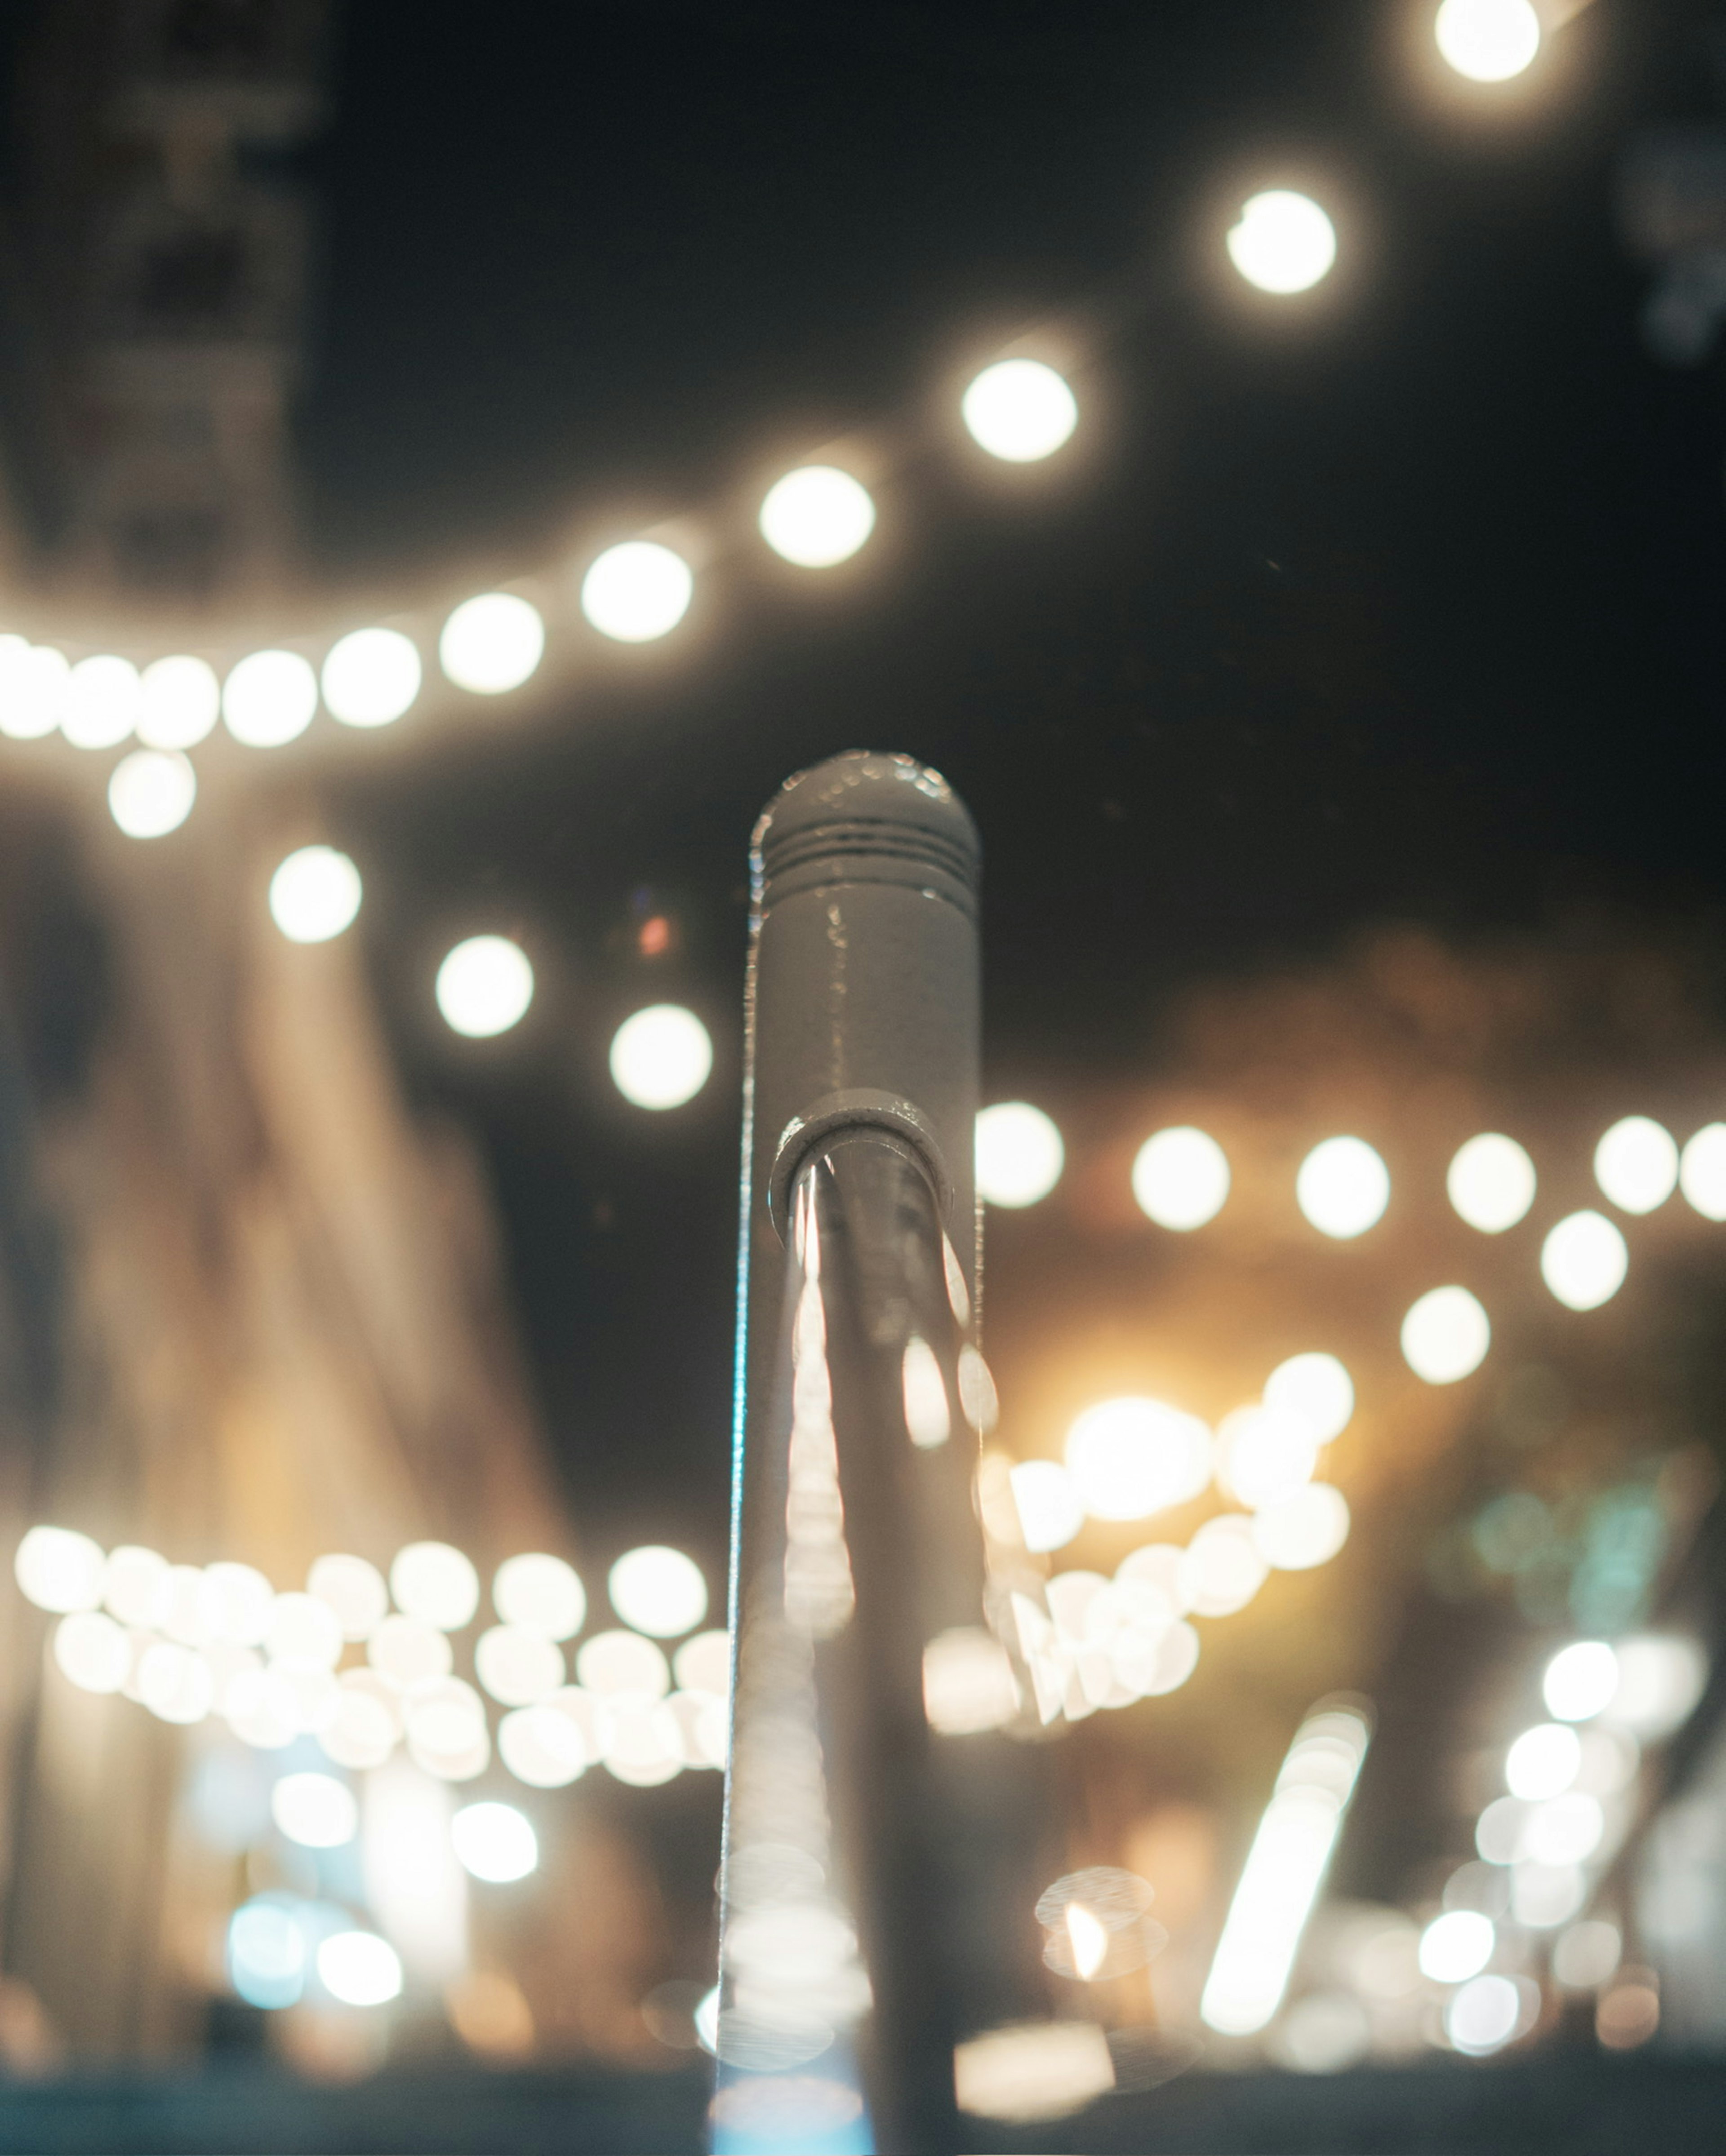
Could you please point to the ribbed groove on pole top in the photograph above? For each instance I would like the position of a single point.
(865, 817)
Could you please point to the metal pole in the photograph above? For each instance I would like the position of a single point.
(862, 1934)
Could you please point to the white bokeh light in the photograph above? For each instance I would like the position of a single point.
(435, 1584)
(1445, 1335)
(1129, 1458)
(1020, 410)
(1050, 1510)
(92, 1650)
(517, 1665)
(493, 1842)
(1305, 1530)
(314, 1811)
(614, 1663)
(270, 698)
(151, 792)
(181, 702)
(1636, 1164)
(1222, 1567)
(359, 1968)
(1583, 1261)
(1702, 1171)
(638, 591)
(1019, 1154)
(492, 644)
(32, 688)
(103, 699)
(1543, 1762)
(658, 1591)
(1564, 1830)
(1316, 1387)
(409, 1651)
(817, 515)
(370, 677)
(315, 894)
(1579, 1680)
(1342, 1187)
(1484, 2015)
(541, 1592)
(354, 1589)
(661, 1056)
(1265, 1456)
(60, 1569)
(1490, 1183)
(1457, 1946)
(1487, 40)
(1180, 1177)
(484, 986)
(1284, 242)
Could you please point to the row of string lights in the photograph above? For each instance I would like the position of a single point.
(1525, 1923)
(1019, 409)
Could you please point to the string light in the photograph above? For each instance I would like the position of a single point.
(492, 644)
(268, 699)
(315, 895)
(637, 592)
(370, 677)
(1488, 40)
(484, 986)
(1181, 1178)
(817, 516)
(1019, 1154)
(1284, 242)
(150, 793)
(661, 1057)
(103, 698)
(1020, 410)
(179, 703)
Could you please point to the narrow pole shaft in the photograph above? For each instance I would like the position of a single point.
(855, 1542)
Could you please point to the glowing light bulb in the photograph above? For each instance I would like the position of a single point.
(661, 1057)
(484, 986)
(493, 1842)
(151, 792)
(353, 1590)
(1490, 1183)
(1636, 1164)
(1047, 1500)
(541, 1592)
(268, 699)
(315, 894)
(637, 592)
(1284, 242)
(1702, 1173)
(60, 1569)
(1305, 1530)
(359, 1968)
(315, 1811)
(1487, 40)
(181, 701)
(92, 1650)
(370, 677)
(1129, 1458)
(1445, 1335)
(1020, 410)
(1583, 1261)
(435, 1583)
(658, 1591)
(817, 515)
(1181, 1178)
(1019, 1154)
(492, 644)
(1543, 1762)
(102, 701)
(32, 688)
(1457, 1946)
(1579, 1680)
(1089, 1941)
(1342, 1187)
(1317, 1387)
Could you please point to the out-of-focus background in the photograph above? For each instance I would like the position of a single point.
(453, 464)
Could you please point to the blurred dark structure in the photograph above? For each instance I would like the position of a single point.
(157, 280)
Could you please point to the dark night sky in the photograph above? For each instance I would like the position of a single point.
(1403, 602)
